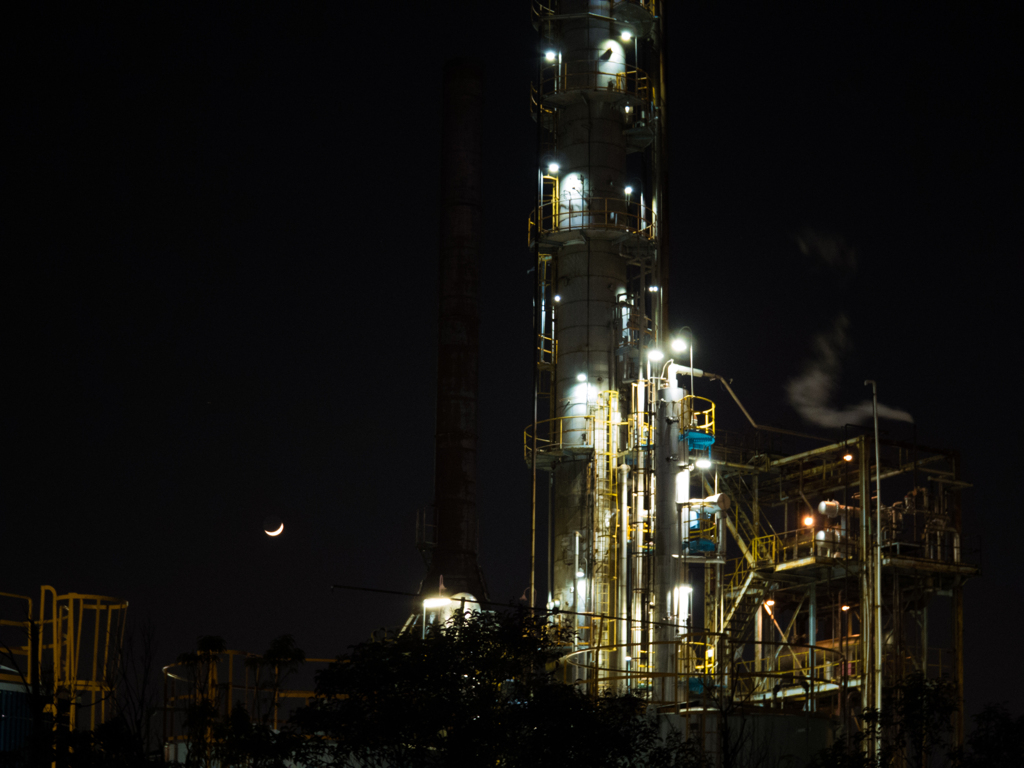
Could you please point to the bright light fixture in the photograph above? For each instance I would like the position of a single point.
(627, 35)
(653, 289)
(809, 520)
(655, 355)
(557, 297)
(629, 190)
(581, 377)
(549, 55)
(769, 602)
(703, 463)
(436, 602)
(629, 658)
(678, 345)
(553, 167)
(580, 574)
(848, 457)
(845, 608)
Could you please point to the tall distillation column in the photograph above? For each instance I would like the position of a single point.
(595, 237)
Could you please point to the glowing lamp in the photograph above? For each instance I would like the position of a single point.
(436, 602)
(627, 35)
(848, 457)
(553, 167)
(549, 55)
(580, 574)
(629, 190)
(655, 356)
(557, 297)
(769, 602)
(581, 377)
(678, 345)
(845, 608)
(653, 289)
(703, 463)
(809, 520)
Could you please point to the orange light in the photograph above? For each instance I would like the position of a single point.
(848, 457)
(809, 520)
(769, 602)
(845, 608)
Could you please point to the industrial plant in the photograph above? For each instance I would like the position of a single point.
(760, 575)
(761, 581)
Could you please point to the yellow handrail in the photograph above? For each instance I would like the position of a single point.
(700, 420)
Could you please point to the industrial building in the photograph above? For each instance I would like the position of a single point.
(764, 575)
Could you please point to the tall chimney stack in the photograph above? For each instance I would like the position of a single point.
(454, 558)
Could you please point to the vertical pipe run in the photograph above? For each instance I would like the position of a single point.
(455, 556)
(667, 538)
(878, 551)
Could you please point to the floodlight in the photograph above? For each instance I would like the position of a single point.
(549, 55)
(655, 356)
(553, 167)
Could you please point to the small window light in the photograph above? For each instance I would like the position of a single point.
(703, 463)
(627, 35)
(553, 167)
(809, 520)
(581, 377)
(655, 355)
(550, 55)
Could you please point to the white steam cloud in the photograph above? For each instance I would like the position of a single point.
(812, 391)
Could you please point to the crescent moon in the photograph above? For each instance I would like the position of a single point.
(275, 533)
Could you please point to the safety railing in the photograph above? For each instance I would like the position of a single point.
(701, 412)
(560, 434)
(588, 75)
(223, 680)
(592, 213)
(764, 548)
(710, 668)
(814, 541)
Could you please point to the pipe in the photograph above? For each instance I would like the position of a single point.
(624, 649)
(667, 539)
(878, 555)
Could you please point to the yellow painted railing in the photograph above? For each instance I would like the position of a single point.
(701, 414)
(561, 77)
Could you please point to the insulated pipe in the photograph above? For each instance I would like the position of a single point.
(623, 480)
(458, 351)
(667, 538)
(878, 555)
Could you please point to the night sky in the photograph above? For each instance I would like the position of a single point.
(220, 239)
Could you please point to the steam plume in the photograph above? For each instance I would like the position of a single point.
(811, 392)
